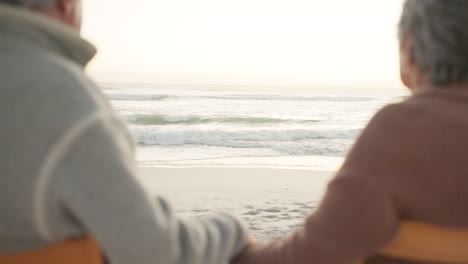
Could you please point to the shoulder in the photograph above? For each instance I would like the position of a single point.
(60, 75)
(384, 126)
(35, 71)
(396, 122)
(49, 92)
(52, 81)
(395, 115)
(392, 134)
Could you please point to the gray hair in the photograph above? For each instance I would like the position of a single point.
(30, 3)
(439, 29)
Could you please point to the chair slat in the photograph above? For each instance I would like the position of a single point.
(414, 241)
(422, 242)
(76, 251)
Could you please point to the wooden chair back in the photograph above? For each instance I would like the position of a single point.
(422, 242)
(415, 242)
(76, 251)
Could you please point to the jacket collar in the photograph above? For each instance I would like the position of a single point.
(20, 24)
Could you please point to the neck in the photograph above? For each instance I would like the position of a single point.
(54, 14)
(430, 87)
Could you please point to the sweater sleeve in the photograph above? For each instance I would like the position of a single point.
(357, 215)
(97, 188)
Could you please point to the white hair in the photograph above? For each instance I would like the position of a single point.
(30, 3)
(440, 38)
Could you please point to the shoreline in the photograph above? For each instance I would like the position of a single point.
(165, 165)
(273, 202)
(315, 163)
(212, 177)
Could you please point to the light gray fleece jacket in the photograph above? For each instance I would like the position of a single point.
(67, 164)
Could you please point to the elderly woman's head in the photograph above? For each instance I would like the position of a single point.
(65, 11)
(434, 42)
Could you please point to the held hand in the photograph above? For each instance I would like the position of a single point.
(251, 246)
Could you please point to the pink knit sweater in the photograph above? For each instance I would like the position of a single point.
(411, 162)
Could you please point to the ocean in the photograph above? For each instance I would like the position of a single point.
(258, 126)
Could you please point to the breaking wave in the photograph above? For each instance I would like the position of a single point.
(287, 141)
(155, 119)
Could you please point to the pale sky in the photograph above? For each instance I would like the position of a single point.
(345, 43)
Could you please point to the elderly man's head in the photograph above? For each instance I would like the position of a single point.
(65, 11)
(434, 43)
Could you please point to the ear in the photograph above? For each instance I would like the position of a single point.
(407, 63)
(65, 7)
(69, 12)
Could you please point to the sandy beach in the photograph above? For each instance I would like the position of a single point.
(272, 201)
